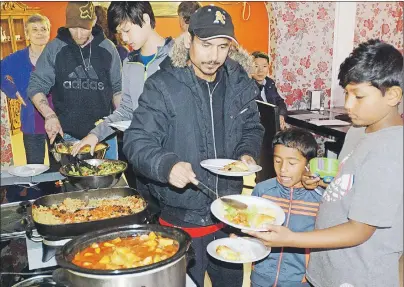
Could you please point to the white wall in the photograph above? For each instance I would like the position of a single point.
(344, 28)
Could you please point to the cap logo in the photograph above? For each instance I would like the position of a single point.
(220, 18)
(87, 11)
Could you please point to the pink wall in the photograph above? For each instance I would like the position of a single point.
(301, 41)
(382, 20)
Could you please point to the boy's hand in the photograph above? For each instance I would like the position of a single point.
(312, 181)
(90, 140)
(277, 236)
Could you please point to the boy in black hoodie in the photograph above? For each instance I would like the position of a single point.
(82, 70)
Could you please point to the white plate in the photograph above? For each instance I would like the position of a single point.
(218, 209)
(28, 170)
(214, 165)
(122, 125)
(251, 249)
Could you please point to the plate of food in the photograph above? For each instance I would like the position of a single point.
(260, 213)
(238, 250)
(230, 167)
(122, 125)
(27, 170)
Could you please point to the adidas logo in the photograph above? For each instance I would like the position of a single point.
(82, 80)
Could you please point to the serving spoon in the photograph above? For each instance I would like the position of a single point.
(230, 202)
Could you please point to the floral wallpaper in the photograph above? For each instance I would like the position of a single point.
(382, 20)
(301, 41)
(6, 150)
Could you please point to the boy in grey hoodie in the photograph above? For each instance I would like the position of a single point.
(149, 50)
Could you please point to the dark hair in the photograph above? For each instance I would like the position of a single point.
(131, 11)
(299, 139)
(186, 9)
(101, 13)
(375, 62)
(258, 54)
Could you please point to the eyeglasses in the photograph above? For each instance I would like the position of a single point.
(41, 30)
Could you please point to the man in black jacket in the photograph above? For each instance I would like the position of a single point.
(268, 92)
(199, 105)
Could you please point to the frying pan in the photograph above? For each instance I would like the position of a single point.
(74, 229)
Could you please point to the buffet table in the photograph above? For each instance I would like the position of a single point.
(8, 179)
(21, 257)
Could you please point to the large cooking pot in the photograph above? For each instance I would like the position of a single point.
(64, 157)
(94, 181)
(168, 273)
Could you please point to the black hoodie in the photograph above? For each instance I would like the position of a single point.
(80, 97)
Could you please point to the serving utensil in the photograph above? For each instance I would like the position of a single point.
(230, 202)
(80, 162)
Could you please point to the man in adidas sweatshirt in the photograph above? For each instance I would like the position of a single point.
(82, 69)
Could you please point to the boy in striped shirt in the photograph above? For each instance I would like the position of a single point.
(293, 149)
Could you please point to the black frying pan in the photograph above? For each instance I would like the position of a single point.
(74, 229)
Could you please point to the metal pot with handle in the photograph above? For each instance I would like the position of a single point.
(95, 181)
(169, 273)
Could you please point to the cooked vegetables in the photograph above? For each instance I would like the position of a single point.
(105, 168)
(66, 148)
(251, 217)
(71, 210)
(129, 252)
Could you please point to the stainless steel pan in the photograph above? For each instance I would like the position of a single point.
(94, 181)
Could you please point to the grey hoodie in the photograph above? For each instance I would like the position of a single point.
(133, 78)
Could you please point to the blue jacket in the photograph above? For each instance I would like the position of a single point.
(286, 267)
(15, 73)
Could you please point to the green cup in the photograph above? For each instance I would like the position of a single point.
(325, 168)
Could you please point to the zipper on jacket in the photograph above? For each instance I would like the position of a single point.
(213, 128)
(147, 66)
(287, 225)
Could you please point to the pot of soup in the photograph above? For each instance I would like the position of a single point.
(129, 255)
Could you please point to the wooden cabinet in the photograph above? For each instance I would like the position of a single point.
(12, 39)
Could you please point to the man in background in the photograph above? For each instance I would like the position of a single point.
(269, 93)
(185, 10)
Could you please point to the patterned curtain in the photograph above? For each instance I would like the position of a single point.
(6, 149)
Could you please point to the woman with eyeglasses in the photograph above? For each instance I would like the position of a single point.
(15, 74)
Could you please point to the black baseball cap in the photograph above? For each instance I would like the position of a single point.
(211, 22)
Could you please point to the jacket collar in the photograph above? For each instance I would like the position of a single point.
(286, 190)
(234, 72)
(162, 51)
(179, 55)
